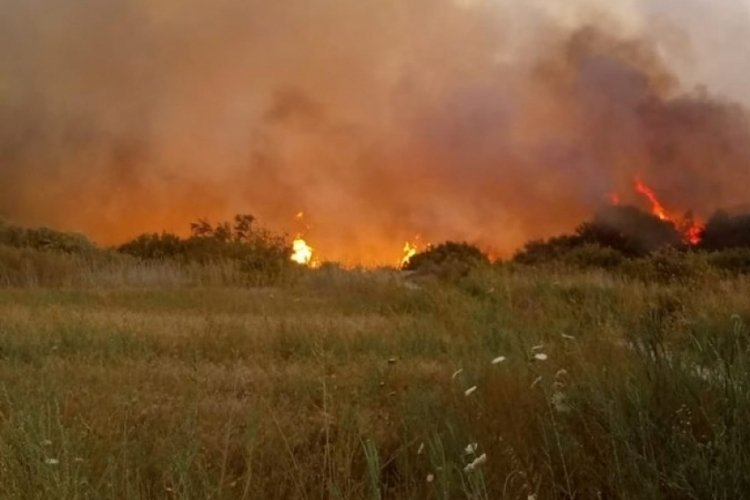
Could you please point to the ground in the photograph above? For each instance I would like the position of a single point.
(360, 384)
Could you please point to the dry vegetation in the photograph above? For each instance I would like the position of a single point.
(126, 379)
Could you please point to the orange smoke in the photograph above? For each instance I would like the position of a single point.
(487, 122)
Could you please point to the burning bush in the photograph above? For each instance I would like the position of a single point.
(448, 260)
(615, 233)
(631, 231)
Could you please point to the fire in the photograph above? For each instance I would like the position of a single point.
(689, 228)
(302, 253)
(656, 207)
(410, 250)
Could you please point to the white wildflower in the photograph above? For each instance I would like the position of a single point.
(471, 448)
(470, 390)
(421, 449)
(498, 360)
(476, 463)
(559, 403)
(540, 356)
(457, 373)
(430, 478)
(51, 461)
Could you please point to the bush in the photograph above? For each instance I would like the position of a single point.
(44, 239)
(593, 256)
(668, 266)
(734, 260)
(614, 234)
(448, 260)
(262, 255)
(723, 231)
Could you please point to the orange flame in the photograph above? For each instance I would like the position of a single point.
(410, 250)
(690, 229)
(656, 207)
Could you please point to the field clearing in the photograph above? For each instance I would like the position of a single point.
(351, 384)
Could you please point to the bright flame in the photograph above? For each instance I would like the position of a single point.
(656, 207)
(691, 230)
(302, 253)
(410, 250)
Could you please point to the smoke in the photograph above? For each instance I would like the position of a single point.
(477, 120)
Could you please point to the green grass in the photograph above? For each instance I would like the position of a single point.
(346, 384)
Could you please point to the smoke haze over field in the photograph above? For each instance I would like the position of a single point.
(477, 120)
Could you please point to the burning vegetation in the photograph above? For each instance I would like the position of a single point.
(465, 121)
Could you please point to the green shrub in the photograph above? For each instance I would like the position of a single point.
(262, 256)
(668, 266)
(448, 260)
(45, 239)
(593, 256)
(735, 260)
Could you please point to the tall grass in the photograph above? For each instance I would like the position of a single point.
(132, 381)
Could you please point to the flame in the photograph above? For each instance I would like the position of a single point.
(410, 250)
(656, 207)
(302, 253)
(690, 229)
(693, 233)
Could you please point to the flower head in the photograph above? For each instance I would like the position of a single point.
(476, 463)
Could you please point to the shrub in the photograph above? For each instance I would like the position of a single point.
(625, 232)
(733, 260)
(448, 260)
(723, 231)
(44, 239)
(593, 256)
(262, 255)
(668, 266)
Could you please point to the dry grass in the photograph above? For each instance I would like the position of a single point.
(344, 385)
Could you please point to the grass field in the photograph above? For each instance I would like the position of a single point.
(347, 385)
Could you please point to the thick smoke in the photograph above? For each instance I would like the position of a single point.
(380, 119)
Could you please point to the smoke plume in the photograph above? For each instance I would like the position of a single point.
(381, 120)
